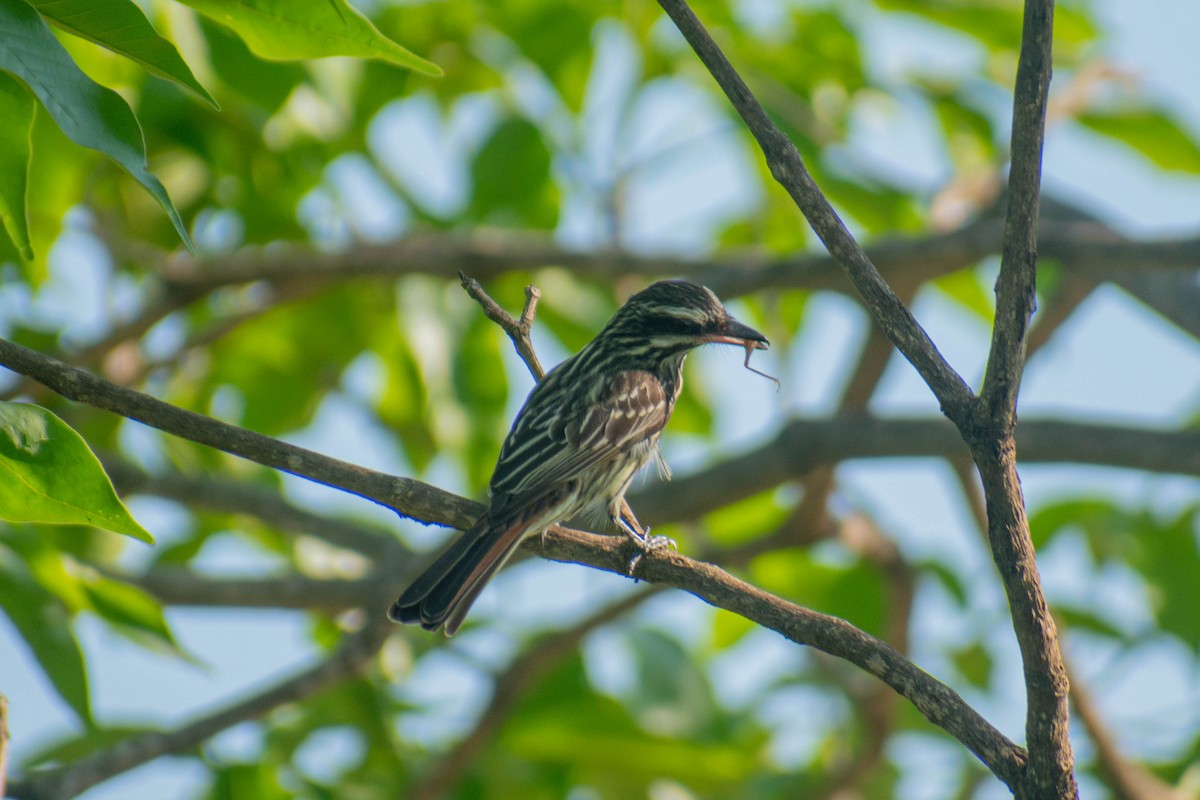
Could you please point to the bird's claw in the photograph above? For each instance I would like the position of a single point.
(648, 544)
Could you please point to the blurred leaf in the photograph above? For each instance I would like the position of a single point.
(511, 177)
(964, 288)
(1105, 524)
(853, 592)
(974, 663)
(285, 361)
(292, 29)
(947, 578)
(729, 629)
(481, 386)
(996, 25)
(1152, 133)
(1088, 620)
(1169, 558)
(403, 403)
(672, 696)
(91, 115)
(121, 26)
(267, 83)
(52, 476)
(17, 110)
(44, 624)
(746, 520)
(243, 781)
(131, 609)
(549, 34)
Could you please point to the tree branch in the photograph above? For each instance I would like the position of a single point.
(1016, 285)
(1051, 761)
(787, 167)
(805, 444)
(181, 587)
(937, 702)
(239, 497)
(517, 330)
(419, 500)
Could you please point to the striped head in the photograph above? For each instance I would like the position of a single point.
(669, 318)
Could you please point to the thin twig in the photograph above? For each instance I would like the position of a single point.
(517, 330)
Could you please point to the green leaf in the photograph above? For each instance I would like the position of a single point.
(16, 109)
(672, 697)
(128, 607)
(403, 403)
(746, 520)
(44, 624)
(974, 663)
(511, 176)
(121, 26)
(1105, 523)
(1169, 558)
(964, 288)
(287, 30)
(1087, 619)
(1154, 134)
(88, 113)
(853, 592)
(50, 475)
(257, 780)
(481, 386)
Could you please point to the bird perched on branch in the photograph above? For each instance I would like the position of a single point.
(584, 432)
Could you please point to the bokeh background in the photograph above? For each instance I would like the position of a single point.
(591, 129)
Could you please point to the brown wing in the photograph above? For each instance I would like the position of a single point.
(631, 411)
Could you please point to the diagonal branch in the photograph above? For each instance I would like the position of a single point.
(787, 167)
(239, 497)
(937, 702)
(419, 500)
(940, 704)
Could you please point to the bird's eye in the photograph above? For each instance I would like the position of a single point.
(682, 326)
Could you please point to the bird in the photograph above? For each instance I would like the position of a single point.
(582, 435)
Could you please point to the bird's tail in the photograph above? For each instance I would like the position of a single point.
(442, 595)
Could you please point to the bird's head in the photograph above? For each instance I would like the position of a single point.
(674, 316)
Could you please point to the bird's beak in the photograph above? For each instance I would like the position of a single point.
(734, 332)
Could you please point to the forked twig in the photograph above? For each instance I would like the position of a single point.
(517, 330)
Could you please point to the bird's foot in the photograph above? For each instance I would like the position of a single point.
(648, 544)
